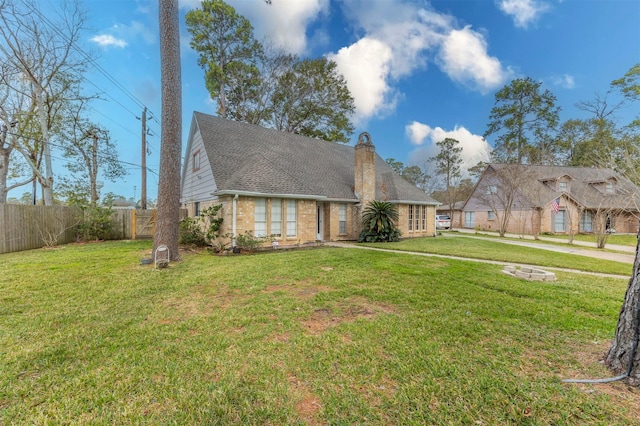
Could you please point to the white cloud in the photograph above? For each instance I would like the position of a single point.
(417, 132)
(464, 58)
(523, 11)
(105, 40)
(366, 67)
(411, 36)
(565, 81)
(474, 147)
(283, 21)
(394, 39)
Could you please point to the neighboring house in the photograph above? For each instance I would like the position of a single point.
(555, 199)
(455, 213)
(293, 188)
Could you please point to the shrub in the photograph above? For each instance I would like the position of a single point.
(191, 229)
(97, 223)
(190, 232)
(249, 242)
(379, 222)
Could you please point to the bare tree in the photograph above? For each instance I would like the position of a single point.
(168, 215)
(500, 192)
(89, 151)
(42, 53)
(12, 104)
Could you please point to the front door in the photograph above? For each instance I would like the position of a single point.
(319, 221)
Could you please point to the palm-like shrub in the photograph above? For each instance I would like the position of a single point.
(379, 222)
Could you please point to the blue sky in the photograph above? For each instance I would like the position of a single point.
(419, 71)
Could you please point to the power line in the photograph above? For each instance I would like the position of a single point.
(90, 60)
(101, 156)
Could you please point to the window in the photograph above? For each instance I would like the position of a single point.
(609, 188)
(196, 161)
(342, 219)
(491, 189)
(562, 186)
(196, 208)
(424, 218)
(469, 219)
(276, 217)
(491, 215)
(292, 218)
(410, 218)
(586, 222)
(260, 227)
(559, 221)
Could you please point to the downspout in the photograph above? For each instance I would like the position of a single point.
(233, 220)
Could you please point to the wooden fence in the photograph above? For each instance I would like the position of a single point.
(25, 227)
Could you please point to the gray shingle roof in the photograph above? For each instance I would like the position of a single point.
(249, 158)
(582, 186)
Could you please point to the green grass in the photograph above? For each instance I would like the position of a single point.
(313, 336)
(630, 240)
(488, 250)
(615, 239)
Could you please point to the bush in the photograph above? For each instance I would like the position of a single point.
(190, 232)
(97, 223)
(191, 229)
(249, 242)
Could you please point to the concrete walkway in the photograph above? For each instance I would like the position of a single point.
(627, 249)
(577, 249)
(581, 252)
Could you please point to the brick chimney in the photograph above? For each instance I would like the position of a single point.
(365, 169)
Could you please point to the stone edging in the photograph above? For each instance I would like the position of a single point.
(528, 273)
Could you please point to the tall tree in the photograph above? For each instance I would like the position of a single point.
(449, 165)
(313, 100)
(267, 86)
(624, 356)
(227, 48)
(629, 86)
(43, 52)
(89, 152)
(523, 118)
(168, 212)
(13, 104)
(415, 175)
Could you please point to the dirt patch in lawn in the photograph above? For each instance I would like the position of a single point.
(347, 311)
(200, 301)
(307, 405)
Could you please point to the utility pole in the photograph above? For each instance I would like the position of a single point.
(143, 195)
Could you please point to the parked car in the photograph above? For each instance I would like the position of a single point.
(443, 221)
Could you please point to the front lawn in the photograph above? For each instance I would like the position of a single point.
(309, 336)
(465, 246)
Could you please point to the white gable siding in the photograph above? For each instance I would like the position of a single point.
(197, 185)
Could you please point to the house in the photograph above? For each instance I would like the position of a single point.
(528, 199)
(454, 212)
(293, 188)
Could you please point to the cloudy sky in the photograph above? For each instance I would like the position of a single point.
(419, 70)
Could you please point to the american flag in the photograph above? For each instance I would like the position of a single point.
(556, 205)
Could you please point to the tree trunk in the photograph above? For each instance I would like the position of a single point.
(4, 171)
(625, 341)
(47, 180)
(167, 222)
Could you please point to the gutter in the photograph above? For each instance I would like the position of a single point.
(234, 220)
